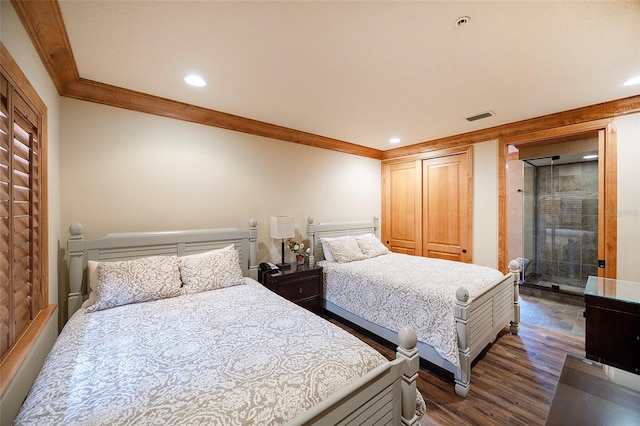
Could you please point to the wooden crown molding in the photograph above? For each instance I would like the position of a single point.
(106, 94)
(586, 114)
(43, 22)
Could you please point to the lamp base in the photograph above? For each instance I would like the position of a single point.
(283, 265)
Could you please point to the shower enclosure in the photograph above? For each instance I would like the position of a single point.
(560, 222)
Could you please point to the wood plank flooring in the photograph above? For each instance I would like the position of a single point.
(512, 382)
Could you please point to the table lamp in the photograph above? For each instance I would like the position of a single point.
(282, 227)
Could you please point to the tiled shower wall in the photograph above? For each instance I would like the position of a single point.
(567, 224)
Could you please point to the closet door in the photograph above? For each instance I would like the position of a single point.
(446, 204)
(402, 207)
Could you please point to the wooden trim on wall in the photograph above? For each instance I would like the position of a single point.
(605, 110)
(611, 202)
(610, 180)
(21, 84)
(93, 91)
(17, 355)
(20, 81)
(44, 24)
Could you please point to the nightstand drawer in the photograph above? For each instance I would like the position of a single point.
(300, 289)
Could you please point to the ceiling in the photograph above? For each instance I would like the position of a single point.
(364, 72)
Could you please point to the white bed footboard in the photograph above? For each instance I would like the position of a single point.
(386, 395)
(479, 321)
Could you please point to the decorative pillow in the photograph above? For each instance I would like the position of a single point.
(345, 249)
(325, 249)
(92, 272)
(211, 270)
(371, 246)
(135, 281)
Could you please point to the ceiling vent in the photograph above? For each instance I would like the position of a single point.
(480, 116)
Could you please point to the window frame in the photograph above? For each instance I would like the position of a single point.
(43, 311)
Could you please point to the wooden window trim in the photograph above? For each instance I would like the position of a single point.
(22, 347)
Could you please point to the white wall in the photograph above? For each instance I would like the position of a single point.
(628, 129)
(128, 171)
(485, 203)
(21, 49)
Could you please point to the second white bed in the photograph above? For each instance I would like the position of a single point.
(456, 308)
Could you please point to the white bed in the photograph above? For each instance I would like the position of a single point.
(455, 320)
(231, 354)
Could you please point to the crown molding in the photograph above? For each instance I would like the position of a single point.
(43, 22)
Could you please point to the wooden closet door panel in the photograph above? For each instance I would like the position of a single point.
(402, 207)
(446, 208)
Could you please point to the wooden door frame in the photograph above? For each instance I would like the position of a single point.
(607, 187)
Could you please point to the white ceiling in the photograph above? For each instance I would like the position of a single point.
(363, 72)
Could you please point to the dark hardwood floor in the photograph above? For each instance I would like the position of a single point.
(512, 382)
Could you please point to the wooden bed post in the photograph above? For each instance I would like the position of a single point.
(312, 243)
(514, 268)
(76, 268)
(253, 241)
(408, 351)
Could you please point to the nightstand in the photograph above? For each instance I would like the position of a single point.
(300, 284)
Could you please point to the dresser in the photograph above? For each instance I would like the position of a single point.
(612, 333)
(300, 284)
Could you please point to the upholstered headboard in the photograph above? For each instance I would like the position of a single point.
(336, 229)
(132, 245)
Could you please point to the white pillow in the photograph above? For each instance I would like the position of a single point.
(211, 270)
(92, 272)
(136, 281)
(345, 249)
(325, 249)
(371, 246)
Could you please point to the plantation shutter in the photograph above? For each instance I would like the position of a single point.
(20, 230)
(5, 299)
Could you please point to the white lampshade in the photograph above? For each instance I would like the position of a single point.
(282, 227)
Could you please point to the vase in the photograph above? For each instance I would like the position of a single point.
(300, 259)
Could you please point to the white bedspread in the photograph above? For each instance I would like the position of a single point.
(394, 290)
(240, 355)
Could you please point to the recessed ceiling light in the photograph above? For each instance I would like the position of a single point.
(394, 140)
(463, 20)
(195, 80)
(632, 81)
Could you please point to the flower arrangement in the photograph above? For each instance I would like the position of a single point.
(299, 249)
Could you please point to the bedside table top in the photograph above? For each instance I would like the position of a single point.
(295, 269)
